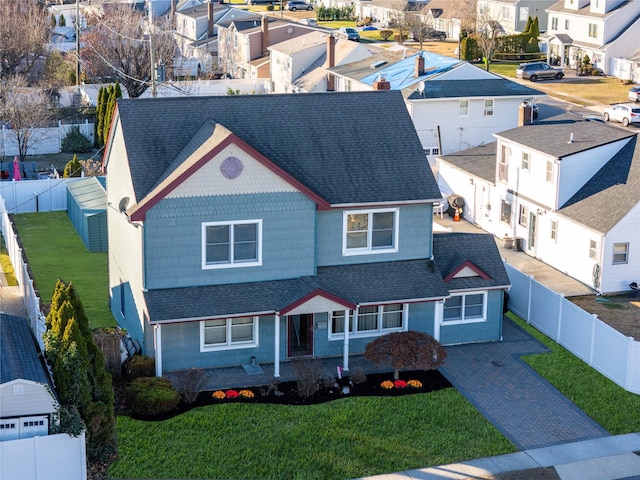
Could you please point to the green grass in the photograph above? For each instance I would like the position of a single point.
(346, 438)
(611, 406)
(54, 250)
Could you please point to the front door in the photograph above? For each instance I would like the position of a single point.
(300, 331)
(532, 231)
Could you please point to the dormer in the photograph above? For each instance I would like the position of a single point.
(604, 6)
(576, 4)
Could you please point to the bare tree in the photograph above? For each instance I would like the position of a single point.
(118, 46)
(24, 30)
(419, 28)
(488, 37)
(24, 109)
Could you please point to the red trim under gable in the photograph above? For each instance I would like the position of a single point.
(464, 265)
(317, 293)
(139, 214)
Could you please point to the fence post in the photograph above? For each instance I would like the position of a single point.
(59, 136)
(594, 318)
(529, 299)
(561, 297)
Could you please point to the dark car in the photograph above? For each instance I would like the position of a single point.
(538, 70)
(349, 33)
(427, 33)
(293, 6)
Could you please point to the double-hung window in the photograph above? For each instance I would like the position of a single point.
(505, 212)
(371, 320)
(503, 164)
(488, 107)
(524, 216)
(593, 30)
(554, 23)
(467, 308)
(229, 333)
(370, 231)
(549, 172)
(463, 108)
(593, 249)
(525, 161)
(232, 244)
(554, 230)
(620, 253)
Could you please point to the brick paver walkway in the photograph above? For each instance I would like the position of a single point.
(512, 396)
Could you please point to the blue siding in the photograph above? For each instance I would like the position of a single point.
(488, 331)
(131, 322)
(173, 239)
(414, 239)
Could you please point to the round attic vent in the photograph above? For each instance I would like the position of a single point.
(231, 167)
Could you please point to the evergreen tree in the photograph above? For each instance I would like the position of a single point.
(111, 104)
(527, 27)
(73, 168)
(53, 21)
(535, 29)
(99, 117)
(63, 21)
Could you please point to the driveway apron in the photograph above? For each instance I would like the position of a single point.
(521, 404)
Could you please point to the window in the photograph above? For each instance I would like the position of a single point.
(549, 172)
(503, 166)
(229, 333)
(524, 214)
(464, 309)
(373, 231)
(593, 30)
(554, 23)
(488, 107)
(554, 230)
(464, 108)
(620, 253)
(505, 212)
(593, 249)
(231, 244)
(525, 161)
(432, 151)
(566, 24)
(371, 320)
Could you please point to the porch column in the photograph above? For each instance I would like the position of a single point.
(345, 350)
(276, 346)
(157, 329)
(437, 320)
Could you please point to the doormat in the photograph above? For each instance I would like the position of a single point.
(252, 369)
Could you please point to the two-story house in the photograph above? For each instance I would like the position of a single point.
(566, 189)
(229, 240)
(454, 105)
(607, 31)
(512, 15)
(450, 16)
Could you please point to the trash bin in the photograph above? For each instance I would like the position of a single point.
(517, 244)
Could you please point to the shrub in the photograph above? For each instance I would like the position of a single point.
(73, 168)
(415, 350)
(75, 141)
(327, 380)
(399, 38)
(309, 374)
(148, 396)
(386, 34)
(140, 366)
(189, 383)
(270, 8)
(358, 376)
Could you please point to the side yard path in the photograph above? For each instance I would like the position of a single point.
(521, 404)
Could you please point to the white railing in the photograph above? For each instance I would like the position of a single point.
(602, 347)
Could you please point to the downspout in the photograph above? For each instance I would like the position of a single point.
(158, 348)
(345, 353)
(276, 346)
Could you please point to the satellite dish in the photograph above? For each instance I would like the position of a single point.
(124, 203)
(421, 87)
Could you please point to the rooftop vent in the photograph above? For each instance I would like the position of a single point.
(377, 64)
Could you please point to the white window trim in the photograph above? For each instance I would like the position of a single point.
(525, 163)
(370, 333)
(368, 250)
(488, 107)
(593, 249)
(463, 111)
(231, 263)
(470, 320)
(626, 253)
(229, 345)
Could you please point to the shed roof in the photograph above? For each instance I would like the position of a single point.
(19, 357)
(89, 194)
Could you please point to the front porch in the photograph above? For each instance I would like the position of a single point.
(237, 377)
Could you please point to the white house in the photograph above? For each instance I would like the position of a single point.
(454, 105)
(512, 15)
(566, 189)
(605, 30)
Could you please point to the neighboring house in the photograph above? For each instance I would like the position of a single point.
(27, 401)
(512, 15)
(605, 30)
(454, 105)
(449, 16)
(243, 45)
(567, 190)
(234, 241)
(301, 64)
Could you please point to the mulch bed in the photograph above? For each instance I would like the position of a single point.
(287, 393)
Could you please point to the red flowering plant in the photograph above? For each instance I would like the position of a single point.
(231, 394)
(400, 384)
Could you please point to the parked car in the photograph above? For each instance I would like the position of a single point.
(538, 70)
(624, 112)
(312, 22)
(427, 33)
(349, 33)
(634, 93)
(296, 5)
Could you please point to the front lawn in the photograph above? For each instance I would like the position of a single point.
(347, 438)
(54, 250)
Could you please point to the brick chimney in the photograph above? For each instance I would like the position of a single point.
(381, 83)
(331, 58)
(210, 19)
(265, 35)
(525, 114)
(419, 70)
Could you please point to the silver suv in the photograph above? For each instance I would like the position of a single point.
(538, 70)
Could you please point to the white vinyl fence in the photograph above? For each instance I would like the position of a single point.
(45, 140)
(608, 351)
(52, 457)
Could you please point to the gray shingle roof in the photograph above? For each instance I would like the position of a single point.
(451, 250)
(551, 136)
(609, 195)
(498, 87)
(19, 358)
(336, 144)
(479, 161)
(394, 281)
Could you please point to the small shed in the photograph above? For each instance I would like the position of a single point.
(87, 209)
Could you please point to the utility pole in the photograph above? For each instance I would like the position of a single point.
(77, 43)
(152, 58)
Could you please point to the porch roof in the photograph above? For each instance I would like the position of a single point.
(382, 282)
